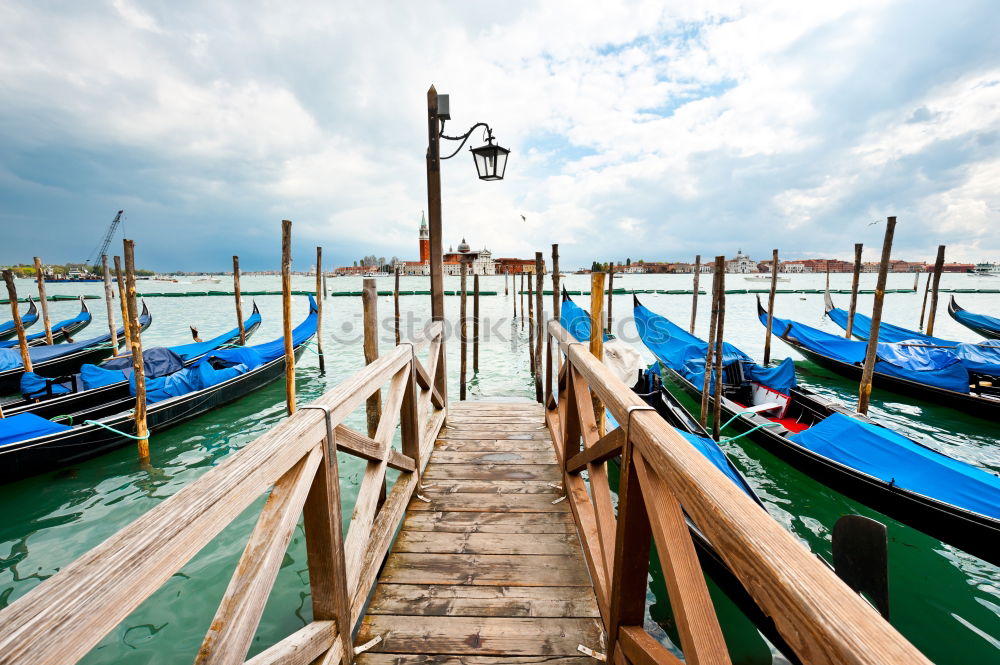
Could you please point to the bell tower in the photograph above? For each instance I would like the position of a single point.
(425, 240)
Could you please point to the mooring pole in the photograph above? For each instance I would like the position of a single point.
(938, 268)
(710, 349)
(720, 267)
(138, 367)
(122, 303)
(522, 300)
(43, 301)
(611, 293)
(319, 310)
(395, 306)
(770, 306)
(434, 228)
(475, 325)
(865, 389)
(463, 333)
(916, 281)
(694, 296)
(109, 296)
(286, 312)
(514, 280)
(239, 300)
(531, 325)
(923, 307)
(539, 324)
(506, 291)
(22, 341)
(369, 304)
(556, 297)
(828, 275)
(855, 281)
(597, 339)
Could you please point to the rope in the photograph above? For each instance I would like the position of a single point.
(752, 429)
(737, 415)
(102, 345)
(55, 418)
(118, 432)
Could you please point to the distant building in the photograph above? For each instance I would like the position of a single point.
(741, 264)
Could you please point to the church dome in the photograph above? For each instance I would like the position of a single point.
(463, 246)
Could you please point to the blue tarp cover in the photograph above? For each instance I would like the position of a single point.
(156, 362)
(93, 376)
(940, 368)
(25, 426)
(33, 385)
(978, 320)
(891, 457)
(26, 320)
(79, 318)
(575, 320)
(886, 331)
(195, 349)
(684, 353)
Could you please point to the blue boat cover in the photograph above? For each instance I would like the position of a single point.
(26, 320)
(977, 320)
(886, 331)
(685, 354)
(220, 366)
(94, 376)
(941, 368)
(33, 385)
(188, 352)
(157, 361)
(79, 318)
(576, 320)
(25, 426)
(893, 458)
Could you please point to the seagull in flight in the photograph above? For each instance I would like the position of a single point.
(523, 218)
(875, 222)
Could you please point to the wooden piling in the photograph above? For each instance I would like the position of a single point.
(40, 278)
(828, 275)
(319, 310)
(522, 300)
(239, 300)
(463, 334)
(865, 389)
(506, 274)
(720, 327)
(135, 341)
(855, 281)
(556, 297)
(916, 281)
(324, 286)
(109, 296)
(539, 324)
(938, 268)
(475, 325)
(395, 307)
(514, 280)
(531, 324)
(122, 303)
(710, 349)
(770, 306)
(286, 312)
(611, 294)
(694, 296)
(597, 339)
(22, 341)
(369, 305)
(923, 307)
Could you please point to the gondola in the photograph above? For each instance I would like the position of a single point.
(60, 359)
(61, 332)
(30, 444)
(943, 497)
(8, 329)
(920, 370)
(982, 324)
(52, 397)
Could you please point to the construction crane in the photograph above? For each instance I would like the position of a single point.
(95, 259)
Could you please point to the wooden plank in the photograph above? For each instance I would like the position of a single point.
(504, 457)
(537, 425)
(301, 647)
(508, 503)
(492, 487)
(493, 417)
(641, 649)
(489, 569)
(461, 522)
(481, 636)
(361, 446)
(493, 445)
(448, 659)
(475, 434)
(491, 471)
(555, 544)
(608, 447)
(468, 600)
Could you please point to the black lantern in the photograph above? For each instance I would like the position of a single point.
(491, 160)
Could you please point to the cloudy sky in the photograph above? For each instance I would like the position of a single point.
(652, 130)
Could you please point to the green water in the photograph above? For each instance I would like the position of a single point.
(946, 602)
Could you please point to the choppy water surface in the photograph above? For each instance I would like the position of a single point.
(946, 602)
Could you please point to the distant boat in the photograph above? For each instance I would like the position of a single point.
(987, 269)
(764, 278)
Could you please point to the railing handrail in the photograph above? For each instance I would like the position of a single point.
(822, 619)
(61, 619)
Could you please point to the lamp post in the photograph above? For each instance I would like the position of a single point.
(491, 163)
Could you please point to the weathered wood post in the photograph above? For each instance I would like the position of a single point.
(324, 286)
(865, 389)
(109, 296)
(923, 307)
(522, 300)
(122, 303)
(916, 281)
(938, 268)
(828, 275)
(513, 279)
(710, 350)
(694, 296)
(720, 326)
(434, 230)
(506, 274)
(770, 306)
(611, 294)
(22, 341)
(855, 281)
(531, 324)
(138, 368)
(539, 324)
(319, 310)
(475, 325)
(597, 338)
(286, 312)
(556, 297)
(369, 304)
(239, 300)
(463, 333)
(395, 306)
(43, 301)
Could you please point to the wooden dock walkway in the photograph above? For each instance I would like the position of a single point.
(486, 568)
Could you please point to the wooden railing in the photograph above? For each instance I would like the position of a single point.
(67, 615)
(662, 478)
